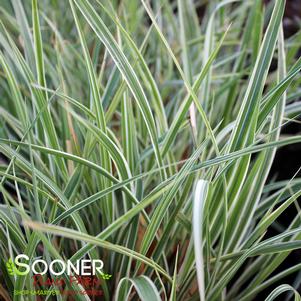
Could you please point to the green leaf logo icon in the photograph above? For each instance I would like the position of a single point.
(12, 270)
(10, 267)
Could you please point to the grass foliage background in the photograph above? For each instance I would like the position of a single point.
(143, 134)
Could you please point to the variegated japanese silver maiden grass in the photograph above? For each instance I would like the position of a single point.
(140, 133)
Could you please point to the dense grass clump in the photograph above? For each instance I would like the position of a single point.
(143, 133)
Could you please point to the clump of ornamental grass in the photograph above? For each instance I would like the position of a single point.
(142, 133)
